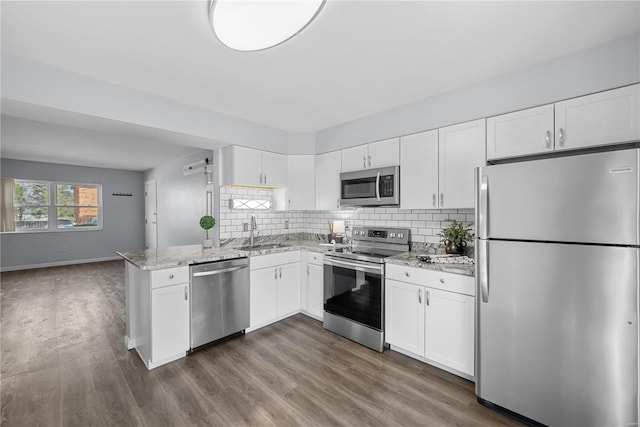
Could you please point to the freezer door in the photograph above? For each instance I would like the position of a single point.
(557, 338)
(589, 198)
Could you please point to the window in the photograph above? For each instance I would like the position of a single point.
(56, 206)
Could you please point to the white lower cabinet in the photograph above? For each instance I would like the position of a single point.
(429, 315)
(274, 288)
(313, 303)
(169, 322)
(158, 322)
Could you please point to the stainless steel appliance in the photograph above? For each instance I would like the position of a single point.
(354, 284)
(219, 300)
(371, 187)
(558, 255)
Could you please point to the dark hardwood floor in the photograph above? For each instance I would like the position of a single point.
(64, 363)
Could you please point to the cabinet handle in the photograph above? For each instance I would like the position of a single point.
(307, 270)
(275, 273)
(265, 178)
(281, 272)
(364, 162)
(338, 203)
(435, 200)
(427, 297)
(171, 276)
(561, 137)
(186, 293)
(547, 139)
(441, 200)
(442, 281)
(406, 273)
(369, 157)
(419, 296)
(260, 178)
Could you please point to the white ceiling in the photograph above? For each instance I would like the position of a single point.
(356, 59)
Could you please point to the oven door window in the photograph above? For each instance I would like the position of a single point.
(355, 295)
(361, 188)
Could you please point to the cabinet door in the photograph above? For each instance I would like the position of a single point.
(520, 133)
(169, 321)
(384, 153)
(301, 183)
(328, 181)
(404, 316)
(288, 289)
(315, 290)
(263, 297)
(604, 118)
(354, 158)
(419, 171)
(247, 166)
(461, 150)
(449, 337)
(274, 169)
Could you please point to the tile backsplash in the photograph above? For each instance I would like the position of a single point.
(425, 224)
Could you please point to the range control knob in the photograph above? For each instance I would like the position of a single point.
(400, 235)
(392, 235)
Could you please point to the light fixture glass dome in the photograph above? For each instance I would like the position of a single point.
(251, 25)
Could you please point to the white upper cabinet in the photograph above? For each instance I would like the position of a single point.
(354, 158)
(419, 170)
(373, 155)
(461, 149)
(328, 167)
(274, 169)
(520, 133)
(300, 193)
(603, 118)
(246, 166)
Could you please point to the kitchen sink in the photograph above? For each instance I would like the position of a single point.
(262, 246)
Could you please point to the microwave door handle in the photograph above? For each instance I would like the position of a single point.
(378, 186)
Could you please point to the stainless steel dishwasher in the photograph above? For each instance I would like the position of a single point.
(219, 300)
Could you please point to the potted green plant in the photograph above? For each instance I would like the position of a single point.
(455, 237)
(207, 222)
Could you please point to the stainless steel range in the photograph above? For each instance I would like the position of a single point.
(354, 284)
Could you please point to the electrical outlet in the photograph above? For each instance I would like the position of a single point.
(286, 224)
(245, 226)
(63, 249)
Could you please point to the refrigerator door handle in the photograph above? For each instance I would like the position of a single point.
(483, 219)
(483, 269)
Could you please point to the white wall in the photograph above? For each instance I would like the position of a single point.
(182, 200)
(123, 218)
(604, 67)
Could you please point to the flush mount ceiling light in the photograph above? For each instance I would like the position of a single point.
(251, 25)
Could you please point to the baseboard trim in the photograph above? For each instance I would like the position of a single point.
(58, 263)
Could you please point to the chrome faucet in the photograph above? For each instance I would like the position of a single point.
(252, 228)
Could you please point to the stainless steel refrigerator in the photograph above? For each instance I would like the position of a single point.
(557, 274)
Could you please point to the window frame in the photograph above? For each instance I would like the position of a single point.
(52, 207)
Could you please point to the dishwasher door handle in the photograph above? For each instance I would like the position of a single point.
(213, 272)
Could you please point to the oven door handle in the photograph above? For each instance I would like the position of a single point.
(366, 268)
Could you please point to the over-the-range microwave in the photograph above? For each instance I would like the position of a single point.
(371, 187)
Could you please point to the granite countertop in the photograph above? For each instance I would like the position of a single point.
(175, 256)
(157, 259)
(411, 259)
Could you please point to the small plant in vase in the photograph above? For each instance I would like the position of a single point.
(207, 222)
(455, 237)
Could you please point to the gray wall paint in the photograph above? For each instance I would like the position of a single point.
(604, 67)
(181, 200)
(123, 217)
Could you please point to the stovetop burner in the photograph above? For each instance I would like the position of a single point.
(374, 244)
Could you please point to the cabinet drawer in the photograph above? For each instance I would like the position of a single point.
(169, 276)
(434, 279)
(315, 258)
(264, 261)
